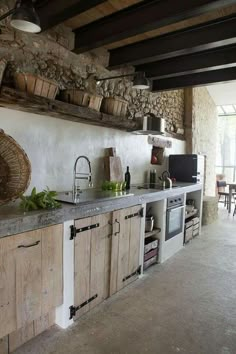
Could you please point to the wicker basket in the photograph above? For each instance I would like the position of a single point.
(15, 169)
(82, 98)
(36, 85)
(114, 106)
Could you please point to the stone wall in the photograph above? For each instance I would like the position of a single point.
(49, 54)
(201, 131)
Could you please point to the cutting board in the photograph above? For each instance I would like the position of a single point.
(112, 166)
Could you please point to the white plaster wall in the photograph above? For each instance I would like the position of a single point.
(53, 144)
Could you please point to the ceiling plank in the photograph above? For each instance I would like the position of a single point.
(198, 38)
(53, 12)
(189, 64)
(146, 16)
(199, 79)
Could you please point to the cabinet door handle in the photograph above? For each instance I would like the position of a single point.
(28, 246)
(116, 233)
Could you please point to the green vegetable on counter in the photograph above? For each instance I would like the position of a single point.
(41, 200)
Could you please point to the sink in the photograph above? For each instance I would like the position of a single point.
(90, 195)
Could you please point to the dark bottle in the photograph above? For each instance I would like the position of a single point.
(127, 178)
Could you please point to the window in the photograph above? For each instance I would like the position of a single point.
(226, 147)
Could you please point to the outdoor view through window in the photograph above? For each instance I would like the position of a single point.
(226, 143)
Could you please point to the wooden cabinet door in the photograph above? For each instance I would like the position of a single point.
(7, 286)
(52, 267)
(28, 277)
(125, 247)
(92, 261)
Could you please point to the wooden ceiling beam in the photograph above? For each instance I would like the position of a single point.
(54, 12)
(196, 39)
(190, 64)
(140, 18)
(199, 79)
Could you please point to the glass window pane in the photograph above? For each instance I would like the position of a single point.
(229, 109)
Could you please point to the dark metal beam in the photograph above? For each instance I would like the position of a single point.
(140, 18)
(199, 38)
(199, 79)
(190, 64)
(53, 12)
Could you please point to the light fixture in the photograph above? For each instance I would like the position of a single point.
(140, 81)
(24, 17)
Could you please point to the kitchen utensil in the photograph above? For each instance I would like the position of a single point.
(149, 223)
(112, 166)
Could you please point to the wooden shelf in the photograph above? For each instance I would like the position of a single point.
(152, 233)
(21, 101)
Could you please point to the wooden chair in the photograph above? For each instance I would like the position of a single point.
(221, 185)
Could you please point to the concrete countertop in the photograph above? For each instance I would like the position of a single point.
(14, 221)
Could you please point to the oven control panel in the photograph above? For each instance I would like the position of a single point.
(175, 201)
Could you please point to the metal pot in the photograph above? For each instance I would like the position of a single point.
(149, 223)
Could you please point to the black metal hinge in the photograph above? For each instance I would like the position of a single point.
(74, 309)
(137, 272)
(74, 231)
(139, 213)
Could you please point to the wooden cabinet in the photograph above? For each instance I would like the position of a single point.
(92, 261)
(106, 256)
(126, 236)
(30, 276)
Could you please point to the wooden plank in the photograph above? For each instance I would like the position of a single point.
(53, 12)
(123, 250)
(100, 255)
(104, 9)
(4, 345)
(52, 267)
(199, 79)
(7, 286)
(82, 265)
(21, 101)
(114, 253)
(30, 330)
(28, 277)
(191, 64)
(44, 322)
(21, 336)
(211, 35)
(149, 15)
(134, 243)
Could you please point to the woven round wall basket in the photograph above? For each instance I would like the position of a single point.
(15, 169)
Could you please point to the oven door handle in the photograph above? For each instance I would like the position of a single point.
(174, 209)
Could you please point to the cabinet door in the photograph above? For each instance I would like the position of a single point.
(100, 258)
(7, 286)
(125, 247)
(92, 261)
(28, 277)
(52, 272)
(82, 265)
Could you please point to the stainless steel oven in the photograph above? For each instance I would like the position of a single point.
(174, 216)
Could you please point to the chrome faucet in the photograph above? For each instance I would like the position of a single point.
(81, 175)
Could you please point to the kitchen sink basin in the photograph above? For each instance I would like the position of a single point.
(90, 195)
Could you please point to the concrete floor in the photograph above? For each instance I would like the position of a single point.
(187, 305)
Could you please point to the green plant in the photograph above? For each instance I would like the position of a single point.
(41, 200)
